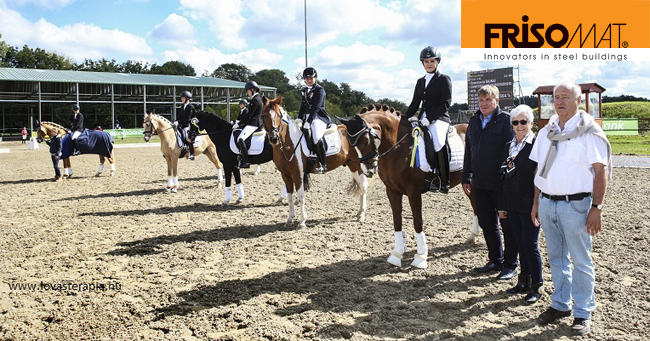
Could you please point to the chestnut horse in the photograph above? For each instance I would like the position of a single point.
(382, 137)
(172, 151)
(44, 132)
(285, 136)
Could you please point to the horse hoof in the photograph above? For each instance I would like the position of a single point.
(302, 225)
(174, 190)
(420, 261)
(224, 204)
(239, 201)
(361, 218)
(112, 173)
(395, 259)
(98, 174)
(168, 189)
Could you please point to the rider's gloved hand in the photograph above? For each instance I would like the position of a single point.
(306, 125)
(425, 122)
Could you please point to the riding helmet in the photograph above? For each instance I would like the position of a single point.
(186, 94)
(430, 52)
(243, 101)
(75, 107)
(309, 72)
(251, 85)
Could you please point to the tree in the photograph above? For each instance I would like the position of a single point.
(173, 67)
(233, 72)
(131, 66)
(278, 79)
(398, 105)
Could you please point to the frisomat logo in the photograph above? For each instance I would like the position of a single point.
(621, 26)
(555, 35)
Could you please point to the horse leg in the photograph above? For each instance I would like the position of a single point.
(283, 195)
(301, 199)
(288, 185)
(67, 168)
(259, 168)
(111, 160)
(362, 182)
(175, 174)
(240, 186)
(170, 179)
(415, 201)
(212, 155)
(101, 166)
(475, 230)
(395, 199)
(229, 171)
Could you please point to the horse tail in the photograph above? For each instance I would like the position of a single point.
(305, 178)
(353, 188)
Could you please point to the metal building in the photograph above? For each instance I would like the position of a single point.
(29, 94)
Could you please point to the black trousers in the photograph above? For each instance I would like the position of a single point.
(527, 236)
(488, 218)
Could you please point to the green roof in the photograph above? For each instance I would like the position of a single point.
(66, 76)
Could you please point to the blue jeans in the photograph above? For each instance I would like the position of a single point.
(55, 162)
(565, 228)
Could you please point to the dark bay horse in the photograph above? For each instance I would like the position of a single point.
(286, 137)
(383, 139)
(219, 131)
(44, 132)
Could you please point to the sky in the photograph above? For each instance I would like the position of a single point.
(373, 45)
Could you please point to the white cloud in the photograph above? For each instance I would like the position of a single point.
(357, 55)
(210, 58)
(175, 30)
(49, 4)
(426, 22)
(222, 16)
(78, 41)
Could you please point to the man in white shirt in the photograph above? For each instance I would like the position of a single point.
(574, 163)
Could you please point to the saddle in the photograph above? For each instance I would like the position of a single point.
(455, 147)
(254, 143)
(331, 139)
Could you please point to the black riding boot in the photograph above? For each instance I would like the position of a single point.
(322, 158)
(76, 150)
(431, 159)
(523, 284)
(191, 148)
(443, 169)
(243, 157)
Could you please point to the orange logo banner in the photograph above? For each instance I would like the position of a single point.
(555, 23)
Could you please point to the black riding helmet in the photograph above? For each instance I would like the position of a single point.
(430, 52)
(75, 107)
(243, 101)
(309, 72)
(252, 85)
(186, 94)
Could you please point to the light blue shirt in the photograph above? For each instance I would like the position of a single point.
(485, 120)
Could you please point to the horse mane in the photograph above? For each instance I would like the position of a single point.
(162, 118)
(56, 125)
(382, 108)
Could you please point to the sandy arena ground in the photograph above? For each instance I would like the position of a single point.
(180, 267)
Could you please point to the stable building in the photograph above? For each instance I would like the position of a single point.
(27, 95)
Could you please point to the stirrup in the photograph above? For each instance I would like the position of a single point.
(321, 169)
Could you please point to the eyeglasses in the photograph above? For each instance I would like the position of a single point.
(523, 122)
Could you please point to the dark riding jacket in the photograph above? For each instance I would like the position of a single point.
(56, 146)
(252, 116)
(78, 123)
(484, 148)
(313, 105)
(185, 114)
(242, 113)
(519, 190)
(435, 98)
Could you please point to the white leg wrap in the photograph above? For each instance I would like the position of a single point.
(220, 174)
(112, 167)
(240, 190)
(100, 169)
(70, 171)
(65, 171)
(170, 181)
(420, 260)
(284, 192)
(395, 257)
(228, 195)
(175, 181)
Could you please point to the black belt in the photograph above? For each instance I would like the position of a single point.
(570, 197)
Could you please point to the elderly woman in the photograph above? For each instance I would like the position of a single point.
(516, 202)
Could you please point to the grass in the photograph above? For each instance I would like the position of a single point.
(630, 145)
(136, 139)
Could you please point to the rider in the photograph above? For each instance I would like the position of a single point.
(313, 114)
(434, 92)
(243, 110)
(250, 119)
(183, 117)
(77, 128)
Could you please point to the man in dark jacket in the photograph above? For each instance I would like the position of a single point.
(56, 149)
(488, 131)
(316, 119)
(184, 115)
(77, 128)
(434, 92)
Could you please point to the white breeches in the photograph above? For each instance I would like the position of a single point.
(246, 132)
(438, 131)
(75, 135)
(318, 128)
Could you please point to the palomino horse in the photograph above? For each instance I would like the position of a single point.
(219, 131)
(44, 132)
(285, 136)
(381, 136)
(172, 151)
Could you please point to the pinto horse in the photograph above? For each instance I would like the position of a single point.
(44, 132)
(285, 136)
(382, 138)
(172, 151)
(220, 131)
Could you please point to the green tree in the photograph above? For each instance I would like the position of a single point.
(278, 79)
(173, 67)
(131, 66)
(232, 71)
(398, 105)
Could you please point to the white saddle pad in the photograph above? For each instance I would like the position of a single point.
(257, 144)
(457, 153)
(332, 139)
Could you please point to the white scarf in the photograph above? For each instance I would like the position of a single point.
(516, 148)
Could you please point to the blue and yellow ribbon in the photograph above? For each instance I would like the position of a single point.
(415, 133)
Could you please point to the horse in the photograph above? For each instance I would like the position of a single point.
(44, 132)
(172, 151)
(291, 161)
(220, 131)
(383, 140)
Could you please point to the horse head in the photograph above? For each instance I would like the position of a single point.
(272, 115)
(149, 125)
(365, 141)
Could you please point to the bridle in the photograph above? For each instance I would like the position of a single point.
(275, 134)
(371, 160)
(147, 133)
